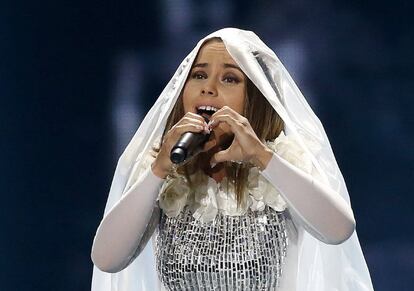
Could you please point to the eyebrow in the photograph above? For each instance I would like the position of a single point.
(225, 65)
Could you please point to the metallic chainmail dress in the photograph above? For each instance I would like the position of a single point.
(229, 253)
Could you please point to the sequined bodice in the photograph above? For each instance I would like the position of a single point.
(230, 253)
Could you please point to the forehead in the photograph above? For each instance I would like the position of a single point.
(214, 51)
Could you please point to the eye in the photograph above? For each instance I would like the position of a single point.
(198, 75)
(231, 79)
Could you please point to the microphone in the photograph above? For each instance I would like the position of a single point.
(189, 144)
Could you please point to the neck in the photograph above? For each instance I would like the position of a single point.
(222, 142)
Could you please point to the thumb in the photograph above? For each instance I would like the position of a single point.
(219, 157)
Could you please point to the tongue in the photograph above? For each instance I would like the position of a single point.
(206, 115)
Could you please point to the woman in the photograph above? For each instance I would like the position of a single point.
(262, 207)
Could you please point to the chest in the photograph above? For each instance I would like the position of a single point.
(231, 252)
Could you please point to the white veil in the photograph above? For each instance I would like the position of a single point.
(320, 266)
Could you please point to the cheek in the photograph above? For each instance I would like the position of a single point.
(240, 105)
(236, 101)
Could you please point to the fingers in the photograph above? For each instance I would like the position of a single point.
(194, 116)
(180, 129)
(192, 119)
(190, 122)
(245, 139)
(236, 121)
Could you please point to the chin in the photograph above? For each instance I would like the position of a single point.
(223, 137)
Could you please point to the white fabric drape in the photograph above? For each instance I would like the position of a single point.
(319, 266)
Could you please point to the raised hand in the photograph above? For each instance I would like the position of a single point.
(162, 165)
(246, 146)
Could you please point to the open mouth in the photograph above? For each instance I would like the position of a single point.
(206, 111)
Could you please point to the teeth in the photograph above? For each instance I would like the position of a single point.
(208, 107)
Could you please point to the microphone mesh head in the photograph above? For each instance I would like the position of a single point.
(178, 155)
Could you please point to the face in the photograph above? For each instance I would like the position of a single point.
(215, 80)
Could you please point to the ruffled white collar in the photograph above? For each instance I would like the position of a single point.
(210, 197)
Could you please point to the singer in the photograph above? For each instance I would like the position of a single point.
(260, 204)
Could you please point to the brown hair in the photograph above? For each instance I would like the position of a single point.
(264, 120)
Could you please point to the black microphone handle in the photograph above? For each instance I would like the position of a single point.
(188, 145)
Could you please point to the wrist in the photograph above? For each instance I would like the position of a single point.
(158, 171)
(263, 157)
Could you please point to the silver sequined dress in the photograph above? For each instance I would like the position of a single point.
(229, 253)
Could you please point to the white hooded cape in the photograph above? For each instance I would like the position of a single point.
(320, 267)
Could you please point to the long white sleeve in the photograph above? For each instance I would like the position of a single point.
(320, 210)
(125, 229)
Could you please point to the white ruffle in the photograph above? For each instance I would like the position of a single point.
(210, 197)
(173, 195)
(289, 149)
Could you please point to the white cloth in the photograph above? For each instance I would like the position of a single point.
(318, 266)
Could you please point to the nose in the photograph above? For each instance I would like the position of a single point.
(209, 88)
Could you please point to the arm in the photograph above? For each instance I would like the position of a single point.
(321, 211)
(126, 228)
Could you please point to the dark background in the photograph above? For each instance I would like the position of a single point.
(76, 78)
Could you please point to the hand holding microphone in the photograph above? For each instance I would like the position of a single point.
(189, 144)
(185, 139)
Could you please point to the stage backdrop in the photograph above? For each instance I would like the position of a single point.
(76, 78)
